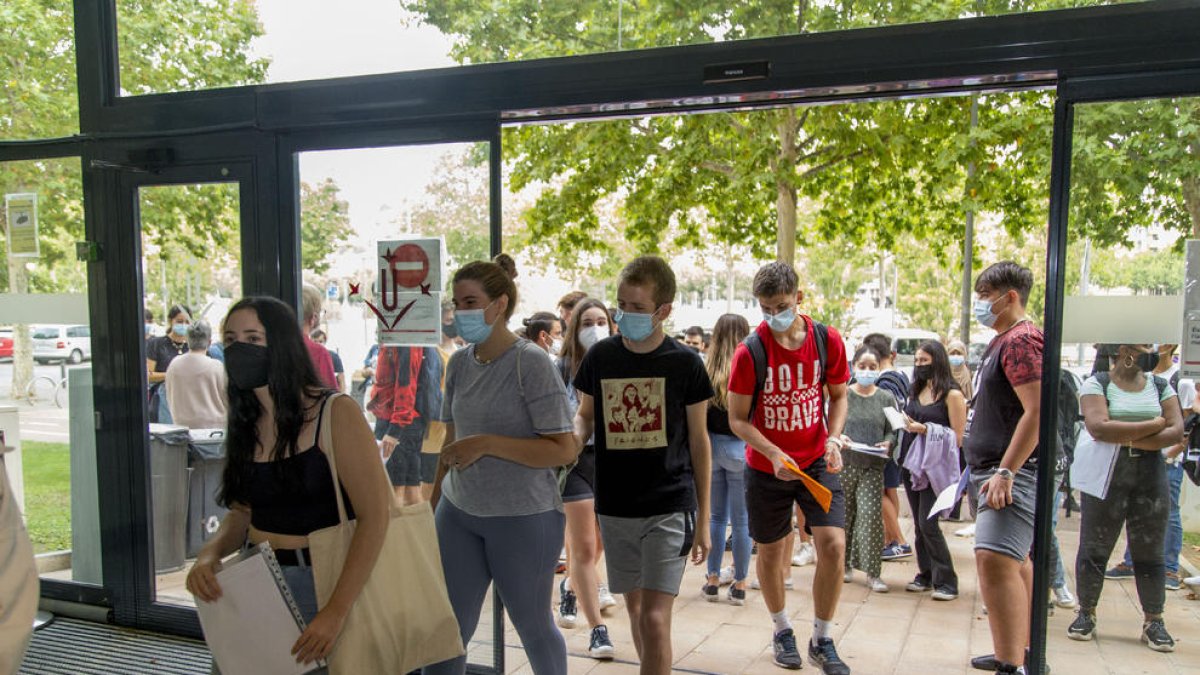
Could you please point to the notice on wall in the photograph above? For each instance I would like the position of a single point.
(407, 298)
(1189, 360)
(21, 217)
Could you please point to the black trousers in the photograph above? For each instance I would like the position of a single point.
(934, 563)
(1137, 501)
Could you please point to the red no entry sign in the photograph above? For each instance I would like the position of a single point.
(410, 266)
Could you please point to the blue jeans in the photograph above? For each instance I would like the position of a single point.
(728, 504)
(1174, 541)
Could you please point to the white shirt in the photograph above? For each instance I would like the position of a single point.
(196, 393)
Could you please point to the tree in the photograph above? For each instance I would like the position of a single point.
(324, 224)
(456, 206)
(163, 47)
(929, 287)
(832, 277)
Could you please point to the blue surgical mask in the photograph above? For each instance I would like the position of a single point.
(956, 360)
(471, 325)
(781, 321)
(866, 378)
(636, 327)
(983, 312)
(180, 329)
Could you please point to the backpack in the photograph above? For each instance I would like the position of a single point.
(1069, 417)
(1191, 453)
(758, 353)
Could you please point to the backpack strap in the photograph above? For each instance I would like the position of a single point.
(758, 354)
(1105, 379)
(821, 332)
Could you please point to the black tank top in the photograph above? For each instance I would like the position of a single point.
(295, 495)
(936, 413)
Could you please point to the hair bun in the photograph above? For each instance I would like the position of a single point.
(507, 264)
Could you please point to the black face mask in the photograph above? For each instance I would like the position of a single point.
(924, 372)
(1147, 362)
(450, 330)
(248, 366)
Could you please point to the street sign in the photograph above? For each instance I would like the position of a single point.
(21, 210)
(332, 291)
(408, 304)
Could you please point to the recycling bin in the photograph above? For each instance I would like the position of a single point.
(169, 495)
(206, 464)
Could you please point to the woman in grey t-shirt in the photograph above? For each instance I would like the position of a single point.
(497, 505)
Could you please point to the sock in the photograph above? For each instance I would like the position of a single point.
(820, 630)
(782, 622)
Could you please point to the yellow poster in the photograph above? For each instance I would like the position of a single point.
(634, 409)
(21, 210)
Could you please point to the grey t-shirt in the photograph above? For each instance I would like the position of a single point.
(495, 398)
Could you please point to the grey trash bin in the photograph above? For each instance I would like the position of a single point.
(169, 495)
(206, 463)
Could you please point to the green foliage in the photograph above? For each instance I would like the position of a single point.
(832, 275)
(47, 473)
(930, 293)
(1146, 273)
(456, 206)
(324, 224)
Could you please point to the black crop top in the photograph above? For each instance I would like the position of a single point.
(295, 495)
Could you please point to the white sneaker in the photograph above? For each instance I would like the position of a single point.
(726, 576)
(966, 532)
(877, 585)
(848, 576)
(1063, 598)
(787, 583)
(807, 555)
(607, 601)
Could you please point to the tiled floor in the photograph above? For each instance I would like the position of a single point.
(897, 632)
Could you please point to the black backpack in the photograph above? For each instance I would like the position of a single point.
(758, 352)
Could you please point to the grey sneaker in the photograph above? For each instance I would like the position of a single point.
(601, 646)
(1084, 626)
(944, 593)
(567, 612)
(824, 656)
(786, 655)
(918, 585)
(1156, 637)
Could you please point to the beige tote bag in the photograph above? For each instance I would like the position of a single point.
(402, 619)
(18, 579)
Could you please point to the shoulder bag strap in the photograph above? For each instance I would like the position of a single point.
(326, 442)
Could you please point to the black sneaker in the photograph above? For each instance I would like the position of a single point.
(601, 647)
(737, 596)
(567, 614)
(1156, 637)
(1083, 627)
(711, 592)
(989, 663)
(786, 654)
(824, 656)
(918, 585)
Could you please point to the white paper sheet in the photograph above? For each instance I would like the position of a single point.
(953, 492)
(868, 450)
(250, 630)
(895, 418)
(1092, 470)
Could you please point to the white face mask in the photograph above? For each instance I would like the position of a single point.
(590, 335)
(556, 347)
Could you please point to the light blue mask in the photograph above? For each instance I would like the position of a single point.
(983, 313)
(636, 327)
(471, 325)
(180, 329)
(956, 360)
(866, 378)
(781, 321)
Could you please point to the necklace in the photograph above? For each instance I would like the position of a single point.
(179, 348)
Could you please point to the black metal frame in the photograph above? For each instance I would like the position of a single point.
(1105, 53)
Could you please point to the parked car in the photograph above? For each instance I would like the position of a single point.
(61, 342)
(905, 342)
(6, 344)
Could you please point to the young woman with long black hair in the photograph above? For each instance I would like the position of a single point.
(935, 406)
(277, 482)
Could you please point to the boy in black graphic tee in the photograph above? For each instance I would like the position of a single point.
(645, 396)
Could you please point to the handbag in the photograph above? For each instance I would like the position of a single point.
(402, 619)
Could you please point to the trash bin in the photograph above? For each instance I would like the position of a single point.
(168, 495)
(206, 464)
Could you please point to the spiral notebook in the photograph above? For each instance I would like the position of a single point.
(250, 630)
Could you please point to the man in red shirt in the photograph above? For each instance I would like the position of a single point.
(311, 305)
(788, 432)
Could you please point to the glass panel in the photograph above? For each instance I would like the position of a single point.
(191, 267)
(38, 52)
(350, 201)
(243, 42)
(46, 367)
(1135, 210)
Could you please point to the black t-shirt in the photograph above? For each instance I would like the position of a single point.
(643, 459)
(1013, 358)
(162, 351)
(337, 362)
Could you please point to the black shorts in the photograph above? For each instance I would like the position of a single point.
(581, 482)
(429, 462)
(891, 474)
(404, 465)
(769, 503)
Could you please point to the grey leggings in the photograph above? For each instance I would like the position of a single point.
(518, 554)
(1137, 499)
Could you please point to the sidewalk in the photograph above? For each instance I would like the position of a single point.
(897, 632)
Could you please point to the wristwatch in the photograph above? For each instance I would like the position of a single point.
(835, 440)
(1006, 474)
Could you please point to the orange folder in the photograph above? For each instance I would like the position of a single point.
(821, 493)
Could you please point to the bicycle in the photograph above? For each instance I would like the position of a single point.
(46, 388)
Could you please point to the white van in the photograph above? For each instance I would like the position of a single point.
(905, 342)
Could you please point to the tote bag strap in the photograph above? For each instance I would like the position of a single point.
(327, 446)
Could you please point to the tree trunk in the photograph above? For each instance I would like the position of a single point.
(1191, 201)
(785, 192)
(22, 359)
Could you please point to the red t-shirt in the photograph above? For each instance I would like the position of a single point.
(791, 412)
(322, 362)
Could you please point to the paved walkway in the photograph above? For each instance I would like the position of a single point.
(897, 632)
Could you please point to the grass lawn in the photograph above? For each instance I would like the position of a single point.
(47, 494)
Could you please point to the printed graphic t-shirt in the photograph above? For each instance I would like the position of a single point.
(791, 410)
(1013, 358)
(643, 457)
